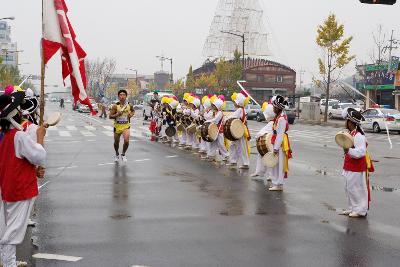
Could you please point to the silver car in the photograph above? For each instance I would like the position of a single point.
(376, 119)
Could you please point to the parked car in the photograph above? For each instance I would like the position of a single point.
(376, 118)
(336, 111)
(331, 103)
(252, 111)
(138, 107)
(229, 108)
(291, 115)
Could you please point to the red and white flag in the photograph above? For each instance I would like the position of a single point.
(58, 35)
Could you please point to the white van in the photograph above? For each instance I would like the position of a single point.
(147, 102)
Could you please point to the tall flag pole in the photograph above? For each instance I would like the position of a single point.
(42, 74)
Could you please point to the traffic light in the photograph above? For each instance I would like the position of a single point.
(381, 2)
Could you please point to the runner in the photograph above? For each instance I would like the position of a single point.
(121, 113)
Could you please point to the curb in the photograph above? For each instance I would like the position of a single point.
(331, 124)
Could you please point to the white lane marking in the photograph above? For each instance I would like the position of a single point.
(71, 128)
(64, 133)
(108, 128)
(103, 164)
(141, 160)
(87, 133)
(67, 167)
(43, 185)
(91, 140)
(52, 128)
(172, 156)
(90, 128)
(139, 266)
(56, 257)
(90, 118)
(108, 133)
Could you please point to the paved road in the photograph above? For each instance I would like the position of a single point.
(168, 208)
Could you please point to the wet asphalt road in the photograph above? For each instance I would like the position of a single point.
(168, 208)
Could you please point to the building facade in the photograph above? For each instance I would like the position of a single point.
(7, 47)
(264, 78)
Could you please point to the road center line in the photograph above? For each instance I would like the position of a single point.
(173, 156)
(56, 257)
(141, 160)
(108, 163)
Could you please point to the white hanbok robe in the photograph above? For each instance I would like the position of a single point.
(355, 182)
(277, 173)
(261, 169)
(219, 144)
(238, 149)
(14, 215)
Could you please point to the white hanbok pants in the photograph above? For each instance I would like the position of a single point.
(261, 169)
(238, 152)
(183, 138)
(277, 172)
(13, 223)
(218, 146)
(193, 141)
(356, 191)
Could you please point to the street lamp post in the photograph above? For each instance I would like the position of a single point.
(171, 80)
(243, 43)
(162, 59)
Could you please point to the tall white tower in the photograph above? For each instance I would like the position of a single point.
(239, 17)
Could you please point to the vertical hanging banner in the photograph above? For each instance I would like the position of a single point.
(58, 34)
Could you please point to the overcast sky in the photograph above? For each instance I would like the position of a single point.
(134, 32)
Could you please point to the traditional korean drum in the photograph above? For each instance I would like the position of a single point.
(54, 119)
(180, 126)
(344, 139)
(170, 131)
(191, 129)
(209, 132)
(270, 159)
(264, 144)
(233, 129)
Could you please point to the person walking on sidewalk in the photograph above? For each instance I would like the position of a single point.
(121, 113)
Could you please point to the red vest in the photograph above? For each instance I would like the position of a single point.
(220, 124)
(18, 180)
(354, 165)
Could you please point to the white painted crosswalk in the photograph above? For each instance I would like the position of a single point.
(72, 131)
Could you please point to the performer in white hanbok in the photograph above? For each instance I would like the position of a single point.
(194, 104)
(280, 141)
(262, 173)
(19, 157)
(207, 114)
(239, 151)
(218, 146)
(185, 112)
(356, 168)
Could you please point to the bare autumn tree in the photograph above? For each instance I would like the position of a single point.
(99, 75)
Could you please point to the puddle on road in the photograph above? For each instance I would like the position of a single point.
(120, 216)
(391, 157)
(384, 189)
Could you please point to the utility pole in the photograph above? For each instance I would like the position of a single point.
(391, 47)
(243, 45)
(301, 77)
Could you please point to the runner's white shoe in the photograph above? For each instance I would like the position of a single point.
(116, 158)
(124, 159)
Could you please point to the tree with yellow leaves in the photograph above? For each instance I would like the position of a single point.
(335, 49)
